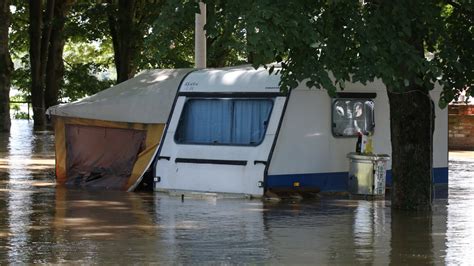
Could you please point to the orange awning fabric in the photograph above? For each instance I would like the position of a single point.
(102, 154)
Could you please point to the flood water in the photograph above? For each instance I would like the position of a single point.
(40, 223)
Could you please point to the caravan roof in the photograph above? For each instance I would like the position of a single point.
(147, 98)
(231, 80)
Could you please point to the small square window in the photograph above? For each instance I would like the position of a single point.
(351, 116)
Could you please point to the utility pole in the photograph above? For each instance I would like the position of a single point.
(200, 49)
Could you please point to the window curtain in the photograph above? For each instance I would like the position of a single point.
(250, 120)
(207, 121)
(224, 121)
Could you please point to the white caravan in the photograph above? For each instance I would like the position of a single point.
(232, 131)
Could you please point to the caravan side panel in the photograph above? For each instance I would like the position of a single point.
(440, 141)
(306, 151)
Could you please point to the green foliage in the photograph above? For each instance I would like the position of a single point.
(21, 78)
(80, 52)
(408, 44)
(19, 45)
(324, 43)
(18, 98)
(88, 53)
(82, 80)
(88, 68)
(167, 28)
(18, 37)
(226, 44)
(21, 115)
(15, 107)
(455, 50)
(87, 22)
(171, 41)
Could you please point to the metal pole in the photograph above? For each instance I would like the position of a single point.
(200, 38)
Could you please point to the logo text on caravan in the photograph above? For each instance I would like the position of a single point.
(190, 85)
(272, 88)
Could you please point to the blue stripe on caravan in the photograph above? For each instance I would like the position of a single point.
(440, 175)
(324, 181)
(336, 181)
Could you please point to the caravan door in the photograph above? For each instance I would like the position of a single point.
(220, 143)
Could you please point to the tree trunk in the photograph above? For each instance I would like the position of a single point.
(40, 32)
(6, 66)
(55, 64)
(35, 62)
(125, 37)
(411, 123)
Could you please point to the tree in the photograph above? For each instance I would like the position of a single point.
(19, 47)
(409, 45)
(55, 65)
(226, 46)
(46, 51)
(88, 69)
(40, 32)
(88, 52)
(6, 66)
(79, 38)
(129, 22)
(159, 34)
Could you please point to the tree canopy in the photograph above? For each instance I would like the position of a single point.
(164, 30)
(401, 42)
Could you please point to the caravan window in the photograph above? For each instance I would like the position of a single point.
(224, 121)
(350, 116)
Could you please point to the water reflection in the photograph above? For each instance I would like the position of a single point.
(214, 231)
(371, 234)
(103, 227)
(40, 223)
(460, 224)
(412, 230)
(25, 157)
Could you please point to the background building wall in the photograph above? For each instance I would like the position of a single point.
(461, 127)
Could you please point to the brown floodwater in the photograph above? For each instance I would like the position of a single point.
(40, 223)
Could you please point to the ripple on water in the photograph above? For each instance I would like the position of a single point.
(460, 219)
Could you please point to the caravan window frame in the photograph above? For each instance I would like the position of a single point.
(194, 98)
(353, 97)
